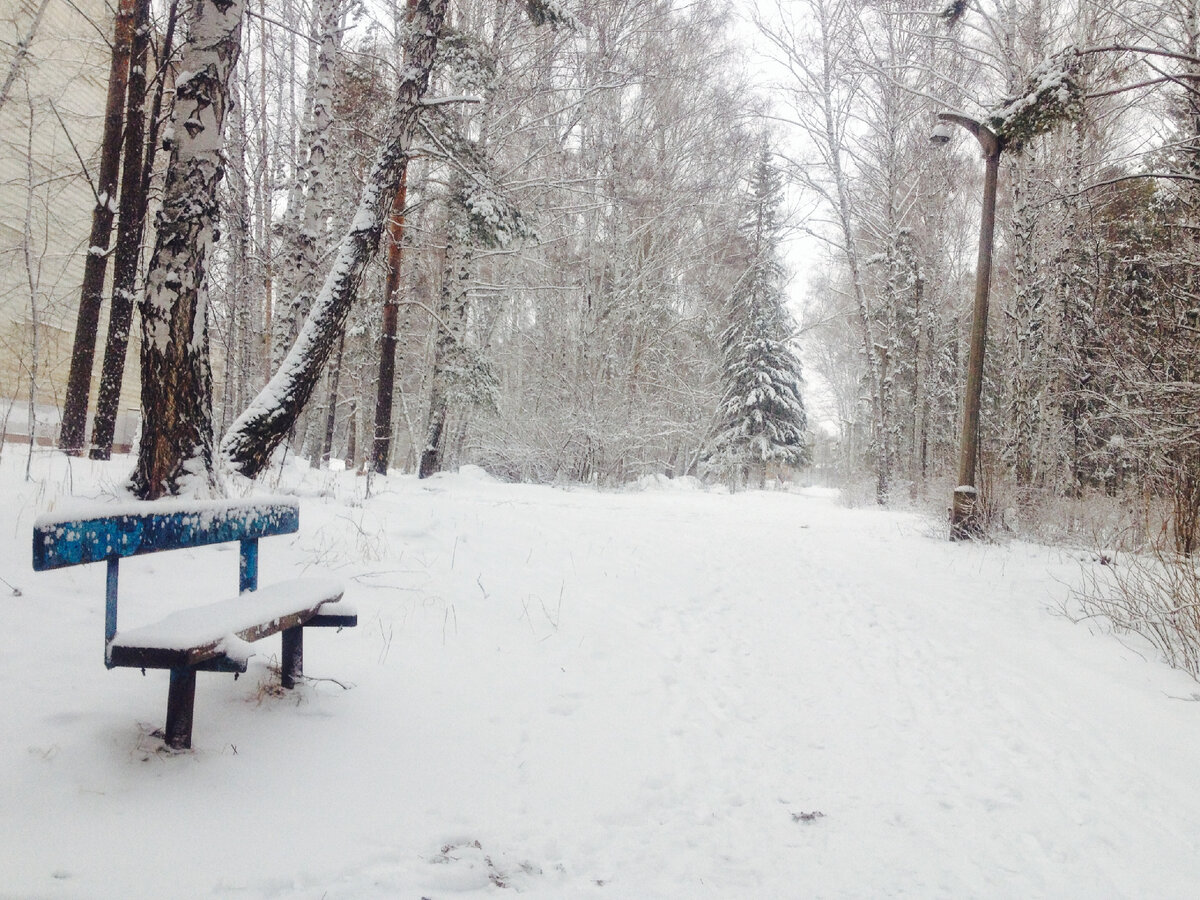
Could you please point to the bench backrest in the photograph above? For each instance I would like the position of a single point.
(59, 542)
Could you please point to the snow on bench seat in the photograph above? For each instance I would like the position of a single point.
(191, 637)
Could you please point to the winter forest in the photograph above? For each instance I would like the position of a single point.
(588, 243)
(629, 363)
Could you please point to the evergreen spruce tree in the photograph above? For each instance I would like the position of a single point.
(761, 418)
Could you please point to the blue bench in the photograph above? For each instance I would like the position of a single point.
(213, 638)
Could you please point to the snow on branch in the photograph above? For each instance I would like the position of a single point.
(467, 60)
(446, 101)
(549, 12)
(495, 221)
(1051, 96)
(953, 12)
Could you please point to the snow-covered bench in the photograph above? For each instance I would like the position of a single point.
(213, 638)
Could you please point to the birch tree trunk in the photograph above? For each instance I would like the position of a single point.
(1026, 364)
(31, 273)
(176, 454)
(335, 374)
(242, 348)
(250, 441)
(308, 208)
(264, 191)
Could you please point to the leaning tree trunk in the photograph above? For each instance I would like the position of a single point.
(83, 354)
(175, 454)
(130, 226)
(250, 441)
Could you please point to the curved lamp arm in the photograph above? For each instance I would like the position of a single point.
(988, 141)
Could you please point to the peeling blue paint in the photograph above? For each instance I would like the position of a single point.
(98, 539)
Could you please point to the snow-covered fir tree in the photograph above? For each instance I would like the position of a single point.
(761, 418)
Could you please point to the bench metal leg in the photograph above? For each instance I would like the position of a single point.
(181, 698)
(292, 665)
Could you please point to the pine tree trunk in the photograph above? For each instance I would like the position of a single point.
(130, 226)
(381, 450)
(252, 439)
(79, 380)
(175, 454)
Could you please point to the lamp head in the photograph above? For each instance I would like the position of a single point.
(940, 134)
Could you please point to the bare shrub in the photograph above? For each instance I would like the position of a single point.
(1130, 520)
(1155, 594)
(857, 491)
(1185, 518)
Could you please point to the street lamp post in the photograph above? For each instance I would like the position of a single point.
(964, 514)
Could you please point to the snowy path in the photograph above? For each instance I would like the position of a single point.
(626, 695)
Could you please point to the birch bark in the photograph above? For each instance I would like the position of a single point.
(176, 454)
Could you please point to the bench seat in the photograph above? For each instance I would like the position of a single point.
(224, 630)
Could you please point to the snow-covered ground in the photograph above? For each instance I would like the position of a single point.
(563, 693)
